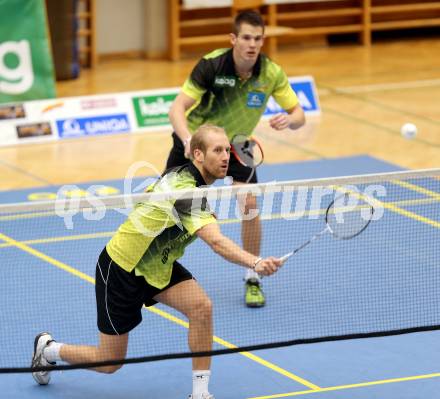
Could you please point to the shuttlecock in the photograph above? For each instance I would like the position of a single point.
(408, 130)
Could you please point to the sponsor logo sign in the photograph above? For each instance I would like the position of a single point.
(16, 72)
(26, 67)
(12, 111)
(94, 103)
(92, 126)
(34, 130)
(52, 106)
(153, 110)
(70, 104)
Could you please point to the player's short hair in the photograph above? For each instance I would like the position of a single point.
(250, 17)
(198, 140)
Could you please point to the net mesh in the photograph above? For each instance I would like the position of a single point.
(384, 281)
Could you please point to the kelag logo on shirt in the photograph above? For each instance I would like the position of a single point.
(255, 100)
(224, 81)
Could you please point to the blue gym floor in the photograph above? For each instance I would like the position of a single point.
(47, 285)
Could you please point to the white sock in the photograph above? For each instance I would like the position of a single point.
(200, 383)
(52, 352)
(251, 274)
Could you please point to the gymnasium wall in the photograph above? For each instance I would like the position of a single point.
(131, 27)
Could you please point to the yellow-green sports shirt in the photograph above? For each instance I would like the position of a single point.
(156, 233)
(222, 99)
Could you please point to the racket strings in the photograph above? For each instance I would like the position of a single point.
(347, 221)
(247, 151)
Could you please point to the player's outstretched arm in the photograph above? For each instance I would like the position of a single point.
(229, 250)
(294, 119)
(180, 105)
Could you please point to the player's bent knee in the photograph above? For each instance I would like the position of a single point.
(201, 309)
(204, 307)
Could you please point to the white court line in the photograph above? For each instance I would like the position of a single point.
(382, 87)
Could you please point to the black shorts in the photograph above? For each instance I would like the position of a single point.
(120, 295)
(236, 170)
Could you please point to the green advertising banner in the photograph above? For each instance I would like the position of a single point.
(153, 110)
(26, 66)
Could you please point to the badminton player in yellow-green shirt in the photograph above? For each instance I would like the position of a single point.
(139, 266)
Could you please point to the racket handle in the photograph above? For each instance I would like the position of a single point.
(285, 257)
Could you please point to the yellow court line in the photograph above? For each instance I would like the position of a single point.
(157, 311)
(63, 238)
(420, 201)
(418, 189)
(31, 215)
(46, 258)
(411, 215)
(391, 207)
(350, 386)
